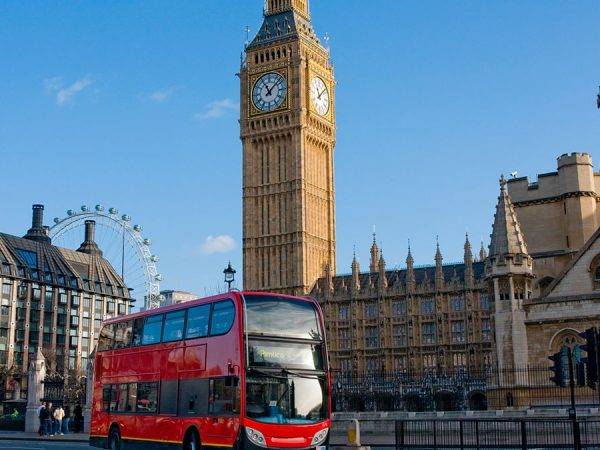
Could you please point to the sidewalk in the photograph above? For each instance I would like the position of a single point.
(22, 436)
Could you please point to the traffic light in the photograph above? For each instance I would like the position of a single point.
(559, 367)
(578, 366)
(591, 361)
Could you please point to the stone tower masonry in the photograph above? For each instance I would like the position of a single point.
(509, 271)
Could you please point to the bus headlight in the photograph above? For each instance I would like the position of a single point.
(320, 437)
(255, 437)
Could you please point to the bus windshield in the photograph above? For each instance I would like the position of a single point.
(278, 316)
(285, 399)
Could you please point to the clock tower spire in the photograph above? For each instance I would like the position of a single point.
(287, 128)
(277, 6)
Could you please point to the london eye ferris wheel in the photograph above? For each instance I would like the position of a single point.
(122, 244)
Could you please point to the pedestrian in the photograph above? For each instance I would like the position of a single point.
(59, 415)
(66, 420)
(41, 427)
(50, 419)
(45, 418)
(78, 412)
(65, 425)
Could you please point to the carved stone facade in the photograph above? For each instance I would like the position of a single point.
(288, 135)
(556, 219)
(415, 320)
(537, 296)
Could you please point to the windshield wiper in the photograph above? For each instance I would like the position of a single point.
(267, 374)
(299, 375)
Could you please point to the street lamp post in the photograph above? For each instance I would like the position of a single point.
(229, 273)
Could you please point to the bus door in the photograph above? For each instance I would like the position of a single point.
(223, 409)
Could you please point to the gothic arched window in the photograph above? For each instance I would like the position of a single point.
(595, 271)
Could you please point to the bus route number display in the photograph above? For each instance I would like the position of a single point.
(276, 354)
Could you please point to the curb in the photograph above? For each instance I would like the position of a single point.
(4, 437)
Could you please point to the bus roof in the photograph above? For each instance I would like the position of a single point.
(201, 301)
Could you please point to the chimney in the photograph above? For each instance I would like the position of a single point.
(38, 232)
(90, 230)
(89, 246)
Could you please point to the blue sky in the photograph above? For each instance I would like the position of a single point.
(135, 104)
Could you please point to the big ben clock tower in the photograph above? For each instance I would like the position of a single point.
(288, 136)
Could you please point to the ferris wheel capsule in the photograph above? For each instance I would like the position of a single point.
(56, 220)
(126, 218)
(70, 212)
(113, 211)
(137, 228)
(99, 208)
(147, 241)
(84, 208)
(154, 258)
(158, 277)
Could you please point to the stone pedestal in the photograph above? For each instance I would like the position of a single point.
(35, 391)
(89, 394)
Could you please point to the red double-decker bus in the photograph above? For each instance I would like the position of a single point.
(242, 369)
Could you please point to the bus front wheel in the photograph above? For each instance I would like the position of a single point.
(114, 439)
(191, 441)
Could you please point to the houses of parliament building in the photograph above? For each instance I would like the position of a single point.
(509, 306)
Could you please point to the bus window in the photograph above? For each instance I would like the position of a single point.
(132, 397)
(106, 339)
(193, 396)
(138, 332)
(147, 397)
(123, 332)
(173, 329)
(114, 398)
(152, 329)
(168, 397)
(106, 398)
(197, 322)
(224, 397)
(123, 397)
(222, 317)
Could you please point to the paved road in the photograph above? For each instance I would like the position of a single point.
(43, 445)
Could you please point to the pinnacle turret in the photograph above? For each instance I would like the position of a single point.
(507, 238)
(355, 274)
(468, 249)
(382, 275)
(410, 271)
(439, 270)
(482, 252)
(469, 274)
(375, 255)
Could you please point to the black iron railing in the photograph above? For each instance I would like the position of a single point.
(456, 390)
(497, 433)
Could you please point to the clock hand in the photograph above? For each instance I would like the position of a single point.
(270, 90)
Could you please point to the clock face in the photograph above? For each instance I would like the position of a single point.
(269, 91)
(319, 95)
